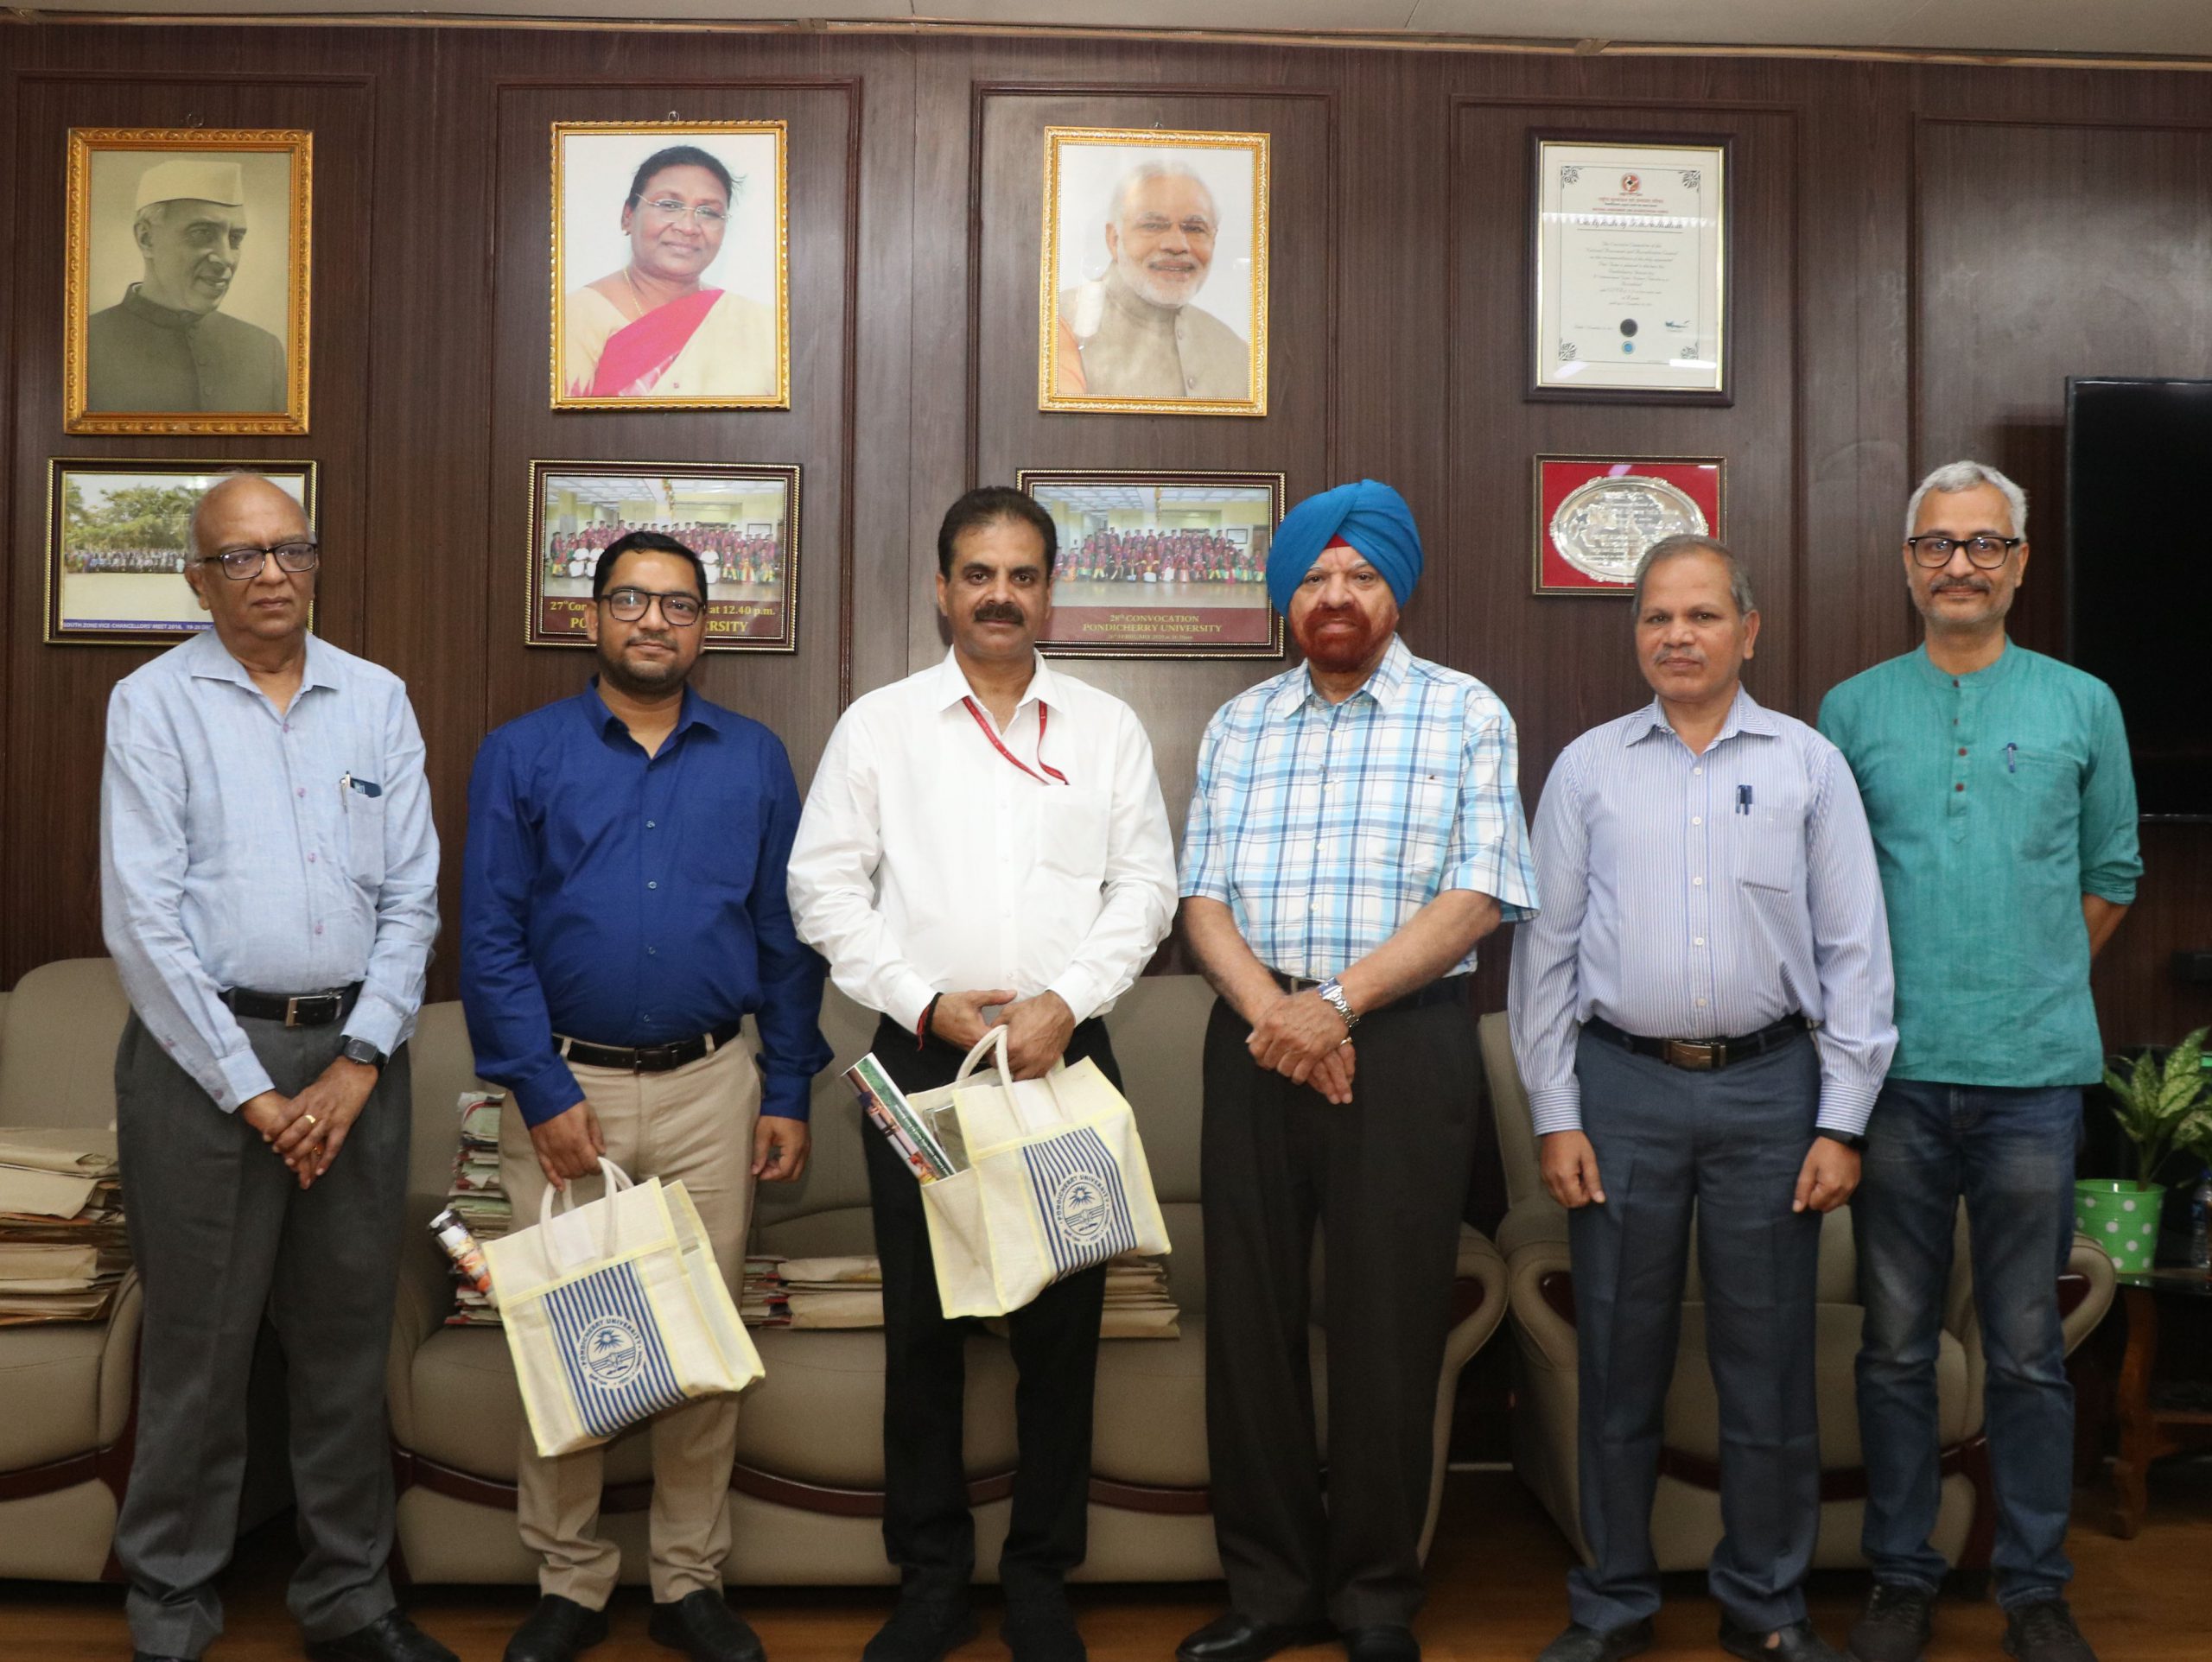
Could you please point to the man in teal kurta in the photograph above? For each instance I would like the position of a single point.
(1998, 787)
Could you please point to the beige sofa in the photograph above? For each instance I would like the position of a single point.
(805, 1501)
(1685, 1518)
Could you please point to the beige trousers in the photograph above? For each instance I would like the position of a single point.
(694, 1123)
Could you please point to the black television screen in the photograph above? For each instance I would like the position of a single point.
(2139, 586)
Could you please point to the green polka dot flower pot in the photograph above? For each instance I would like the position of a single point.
(2122, 1218)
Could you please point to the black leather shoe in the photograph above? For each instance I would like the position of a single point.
(1039, 1627)
(1895, 1627)
(703, 1626)
(391, 1638)
(1235, 1637)
(557, 1631)
(925, 1627)
(1796, 1643)
(2044, 1632)
(1382, 1641)
(1581, 1644)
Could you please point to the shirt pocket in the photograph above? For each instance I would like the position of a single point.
(1768, 847)
(364, 835)
(1416, 846)
(1072, 826)
(2038, 797)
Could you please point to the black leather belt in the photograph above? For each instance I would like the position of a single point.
(1451, 989)
(651, 1058)
(294, 1009)
(1701, 1055)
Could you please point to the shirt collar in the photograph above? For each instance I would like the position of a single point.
(697, 711)
(160, 316)
(210, 660)
(1746, 714)
(949, 685)
(1988, 674)
(1383, 688)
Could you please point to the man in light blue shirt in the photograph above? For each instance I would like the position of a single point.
(269, 893)
(2003, 806)
(1710, 894)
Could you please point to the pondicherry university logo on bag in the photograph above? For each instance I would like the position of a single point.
(1080, 1200)
(612, 1351)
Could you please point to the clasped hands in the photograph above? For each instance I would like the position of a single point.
(306, 1131)
(1569, 1165)
(1302, 1037)
(1037, 1029)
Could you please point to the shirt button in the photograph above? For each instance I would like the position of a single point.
(318, 929)
(650, 824)
(1958, 787)
(301, 791)
(1697, 819)
(1697, 940)
(1962, 749)
(653, 885)
(1697, 769)
(310, 860)
(653, 952)
(1697, 882)
(1700, 1003)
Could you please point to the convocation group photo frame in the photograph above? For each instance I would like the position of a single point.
(1629, 270)
(118, 538)
(1159, 565)
(1152, 295)
(1595, 516)
(670, 261)
(742, 521)
(185, 296)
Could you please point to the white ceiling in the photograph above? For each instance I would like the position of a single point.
(2173, 27)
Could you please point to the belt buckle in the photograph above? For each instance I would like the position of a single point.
(1695, 1056)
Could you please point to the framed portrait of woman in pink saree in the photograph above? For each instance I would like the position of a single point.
(670, 269)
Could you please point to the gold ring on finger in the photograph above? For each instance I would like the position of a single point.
(308, 1117)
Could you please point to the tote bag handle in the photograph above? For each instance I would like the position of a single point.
(995, 1041)
(571, 1243)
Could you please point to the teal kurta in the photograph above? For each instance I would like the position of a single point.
(139, 356)
(1997, 801)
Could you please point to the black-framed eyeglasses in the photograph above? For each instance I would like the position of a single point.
(243, 565)
(680, 610)
(1988, 552)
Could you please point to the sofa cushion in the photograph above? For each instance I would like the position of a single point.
(468, 1410)
(1149, 1424)
(50, 1380)
(1693, 1411)
(46, 1083)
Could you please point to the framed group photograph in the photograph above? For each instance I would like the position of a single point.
(742, 522)
(1153, 295)
(187, 287)
(118, 537)
(670, 269)
(1596, 515)
(1160, 565)
(1629, 269)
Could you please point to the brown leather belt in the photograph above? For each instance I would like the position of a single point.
(1701, 1055)
(294, 1009)
(651, 1058)
(1450, 989)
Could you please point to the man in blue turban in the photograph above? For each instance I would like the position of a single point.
(1355, 830)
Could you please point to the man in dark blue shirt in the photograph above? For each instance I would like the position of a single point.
(623, 909)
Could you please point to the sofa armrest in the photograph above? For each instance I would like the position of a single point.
(425, 1300)
(118, 1376)
(2090, 1282)
(1536, 1220)
(1479, 1308)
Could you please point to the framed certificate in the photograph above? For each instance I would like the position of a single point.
(1596, 515)
(1629, 269)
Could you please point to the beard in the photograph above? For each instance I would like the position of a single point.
(1170, 292)
(642, 680)
(1339, 650)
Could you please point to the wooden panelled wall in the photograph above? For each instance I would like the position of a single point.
(1923, 255)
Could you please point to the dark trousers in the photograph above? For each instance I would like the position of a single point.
(1730, 1144)
(1386, 1178)
(927, 1531)
(221, 1232)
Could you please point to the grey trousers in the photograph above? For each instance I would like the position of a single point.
(1732, 1144)
(222, 1232)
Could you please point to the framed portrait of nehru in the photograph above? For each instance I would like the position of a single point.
(669, 266)
(1153, 295)
(187, 280)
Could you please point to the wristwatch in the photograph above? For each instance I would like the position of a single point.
(1851, 1140)
(1331, 994)
(360, 1051)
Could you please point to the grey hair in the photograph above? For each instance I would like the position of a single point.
(1956, 476)
(1157, 167)
(1673, 548)
(153, 214)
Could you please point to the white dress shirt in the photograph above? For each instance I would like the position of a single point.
(927, 862)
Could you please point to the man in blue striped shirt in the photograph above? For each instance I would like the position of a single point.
(1710, 893)
(1355, 830)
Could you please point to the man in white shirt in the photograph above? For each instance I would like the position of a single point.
(984, 843)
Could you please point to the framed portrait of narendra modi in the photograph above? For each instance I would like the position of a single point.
(670, 265)
(187, 288)
(1153, 295)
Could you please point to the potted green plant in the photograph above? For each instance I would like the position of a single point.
(2161, 1109)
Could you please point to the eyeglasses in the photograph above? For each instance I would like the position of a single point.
(681, 611)
(1988, 552)
(707, 216)
(244, 564)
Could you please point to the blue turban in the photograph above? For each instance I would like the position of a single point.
(1370, 516)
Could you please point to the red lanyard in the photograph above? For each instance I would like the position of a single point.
(1042, 715)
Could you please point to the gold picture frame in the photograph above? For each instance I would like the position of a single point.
(249, 354)
(733, 351)
(1100, 327)
(105, 588)
(731, 514)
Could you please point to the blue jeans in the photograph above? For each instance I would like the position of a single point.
(2009, 1153)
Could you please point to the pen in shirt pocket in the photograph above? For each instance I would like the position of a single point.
(2011, 756)
(1742, 799)
(366, 787)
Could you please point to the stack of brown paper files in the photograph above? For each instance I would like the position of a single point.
(63, 1252)
(848, 1292)
(478, 1198)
